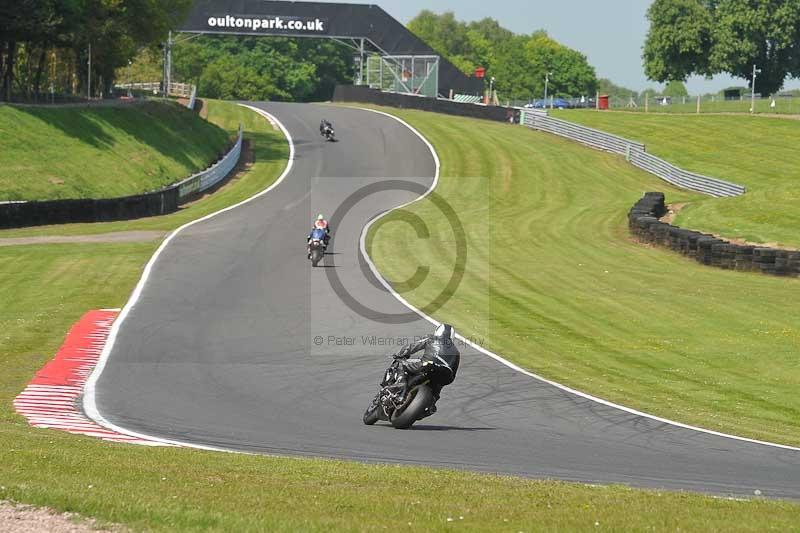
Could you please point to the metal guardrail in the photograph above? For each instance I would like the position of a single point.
(635, 152)
(202, 181)
(193, 98)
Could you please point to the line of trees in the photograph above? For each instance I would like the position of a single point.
(709, 37)
(44, 43)
(518, 62)
(255, 68)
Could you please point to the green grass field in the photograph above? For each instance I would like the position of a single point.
(555, 284)
(58, 153)
(758, 152)
(50, 286)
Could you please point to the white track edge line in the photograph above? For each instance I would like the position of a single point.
(90, 390)
(509, 364)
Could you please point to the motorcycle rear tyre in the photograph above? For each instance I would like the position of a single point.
(421, 400)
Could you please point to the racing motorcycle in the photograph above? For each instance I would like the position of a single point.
(401, 405)
(316, 250)
(329, 134)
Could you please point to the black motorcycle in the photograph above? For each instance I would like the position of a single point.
(401, 405)
(329, 134)
(316, 251)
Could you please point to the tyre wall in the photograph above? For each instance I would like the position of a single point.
(644, 223)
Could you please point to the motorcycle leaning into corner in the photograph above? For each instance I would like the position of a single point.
(410, 387)
(326, 130)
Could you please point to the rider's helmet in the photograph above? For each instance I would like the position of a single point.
(320, 217)
(445, 331)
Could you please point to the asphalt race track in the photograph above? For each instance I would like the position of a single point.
(220, 349)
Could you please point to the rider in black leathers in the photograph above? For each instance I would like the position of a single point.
(324, 126)
(439, 362)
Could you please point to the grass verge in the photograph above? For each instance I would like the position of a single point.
(783, 106)
(47, 288)
(758, 152)
(105, 152)
(555, 284)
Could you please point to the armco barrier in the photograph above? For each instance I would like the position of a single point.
(161, 202)
(644, 224)
(202, 181)
(353, 93)
(634, 152)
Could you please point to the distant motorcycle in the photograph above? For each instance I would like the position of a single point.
(398, 406)
(329, 134)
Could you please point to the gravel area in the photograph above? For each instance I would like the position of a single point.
(15, 518)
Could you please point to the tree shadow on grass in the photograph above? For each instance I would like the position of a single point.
(176, 133)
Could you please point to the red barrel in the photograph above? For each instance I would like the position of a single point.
(602, 101)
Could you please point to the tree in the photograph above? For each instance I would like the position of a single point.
(35, 34)
(519, 62)
(524, 62)
(708, 37)
(675, 89)
(679, 39)
(764, 33)
(257, 68)
(467, 46)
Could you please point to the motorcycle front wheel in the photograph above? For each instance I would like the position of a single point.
(418, 401)
(371, 415)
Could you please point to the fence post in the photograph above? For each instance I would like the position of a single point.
(628, 153)
(522, 117)
(646, 102)
(698, 104)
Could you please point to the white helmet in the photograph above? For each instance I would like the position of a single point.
(445, 330)
(320, 217)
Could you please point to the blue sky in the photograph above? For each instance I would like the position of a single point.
(611, 33)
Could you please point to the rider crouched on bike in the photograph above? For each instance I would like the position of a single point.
(439, 361)
(325, 127)
(323, 225)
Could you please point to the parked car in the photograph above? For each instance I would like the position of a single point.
(557, 103)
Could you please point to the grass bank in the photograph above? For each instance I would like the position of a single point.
(554, 283)
(269, 152)
(56, 153)
(46, 289)
(758, 152)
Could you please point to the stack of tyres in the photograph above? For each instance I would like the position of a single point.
(644, 223)
(764, 259)
(744, 258)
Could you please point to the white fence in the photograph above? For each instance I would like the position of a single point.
(202, 181)
(181, 90)
(633, 151)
